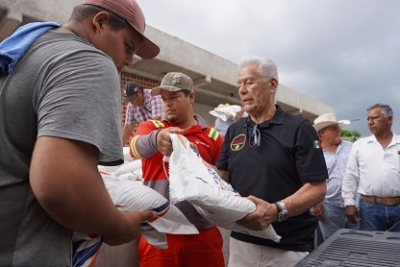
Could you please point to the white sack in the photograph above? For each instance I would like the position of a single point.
(134, 196)
(129, 167)
(108, 169)
(126, 167)
(127, 154)
(190, 179)
(133, 176)
(131, 196)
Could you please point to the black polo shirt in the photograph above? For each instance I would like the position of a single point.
(277, 168)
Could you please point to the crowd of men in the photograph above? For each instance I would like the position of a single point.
(60, 116)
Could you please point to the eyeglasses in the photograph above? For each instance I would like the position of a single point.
(254, 137)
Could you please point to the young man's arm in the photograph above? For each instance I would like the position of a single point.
(350, 183)
(129, 125)
(149, 140)
(66, 182)
(126, 132)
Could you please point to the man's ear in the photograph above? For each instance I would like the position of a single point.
(390, 119)
(100, 19)
(274, 84)
(192, 97)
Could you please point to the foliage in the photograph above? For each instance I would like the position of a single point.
(349, 135)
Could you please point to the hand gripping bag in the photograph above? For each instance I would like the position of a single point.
(133, 196)
(190, 179)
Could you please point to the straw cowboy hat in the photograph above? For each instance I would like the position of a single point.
(326, 120)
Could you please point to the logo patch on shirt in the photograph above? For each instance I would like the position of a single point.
(198, 142)
(317, 144)
(238, 142)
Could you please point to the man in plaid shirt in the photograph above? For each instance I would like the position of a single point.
(141, 107)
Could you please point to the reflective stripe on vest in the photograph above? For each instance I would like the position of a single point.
(213, 134)
(134, 152)
(157, 124)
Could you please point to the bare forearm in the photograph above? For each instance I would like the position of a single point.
(305, 198)
(68, 186)
(85, 208)
(126, 132)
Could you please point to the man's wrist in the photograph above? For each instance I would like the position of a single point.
(282, 211)
(278, 208)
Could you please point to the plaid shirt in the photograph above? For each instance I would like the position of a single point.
(152, 107)
(336, 163)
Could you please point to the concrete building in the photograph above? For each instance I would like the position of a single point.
(215, 83)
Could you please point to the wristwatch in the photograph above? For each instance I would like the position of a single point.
(282, 211)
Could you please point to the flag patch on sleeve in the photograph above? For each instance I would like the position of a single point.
(317, 144)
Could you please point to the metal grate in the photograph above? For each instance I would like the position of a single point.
(354, 248)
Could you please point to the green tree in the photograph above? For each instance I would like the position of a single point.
(349, 135)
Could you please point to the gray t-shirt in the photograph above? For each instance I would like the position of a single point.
(62, 87)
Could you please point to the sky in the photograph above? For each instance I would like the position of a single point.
(344, 53)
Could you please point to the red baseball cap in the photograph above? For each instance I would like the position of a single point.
(131, 12)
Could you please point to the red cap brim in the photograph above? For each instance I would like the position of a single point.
(148, 49)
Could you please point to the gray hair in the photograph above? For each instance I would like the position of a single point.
(385, 109)
(266, 67)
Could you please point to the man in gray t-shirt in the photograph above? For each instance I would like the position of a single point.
(60, 117)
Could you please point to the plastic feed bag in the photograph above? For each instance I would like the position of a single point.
(134, 196)
(190, 179)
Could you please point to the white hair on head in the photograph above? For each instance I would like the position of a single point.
(386, 110)
(266, 67)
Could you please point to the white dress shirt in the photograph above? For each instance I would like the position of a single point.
(372, 170)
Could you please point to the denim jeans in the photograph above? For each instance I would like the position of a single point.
(378, 217)
(335, 219)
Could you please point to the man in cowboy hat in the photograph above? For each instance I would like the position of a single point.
(330, 212)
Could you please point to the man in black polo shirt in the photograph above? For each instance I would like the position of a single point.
(273, 158)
